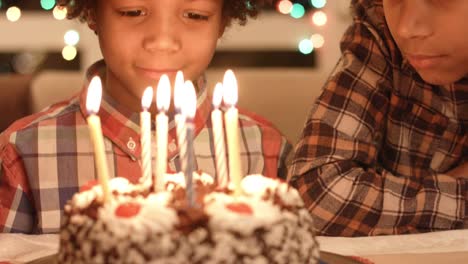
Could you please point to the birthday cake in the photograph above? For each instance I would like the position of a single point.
(267, 223)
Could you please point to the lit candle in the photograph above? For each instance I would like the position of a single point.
(218, 134)
(145, 131)
(163, 99)
(93, 102)
(232, 129)
(178, 118)
(189, 109)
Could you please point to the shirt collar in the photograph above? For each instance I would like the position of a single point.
(121, 125)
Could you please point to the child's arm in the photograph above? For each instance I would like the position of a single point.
(16, 209)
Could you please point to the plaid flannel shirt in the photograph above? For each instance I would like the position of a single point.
(46, 157)
(373, 152)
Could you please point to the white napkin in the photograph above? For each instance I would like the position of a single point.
(23, 248)
(434, 242)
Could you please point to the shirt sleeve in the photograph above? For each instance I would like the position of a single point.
(336, 166)
(284, 156)
(16, 209)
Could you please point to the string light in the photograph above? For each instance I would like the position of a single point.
(13, 13)
(284, 6)
(297, 11)
(60, 12)
(319, 18)
(318, 3)
(69, 53)
(306, 46)
(71, 37)
(317, 40)
(47, 4)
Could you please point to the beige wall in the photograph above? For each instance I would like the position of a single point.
(281, 95)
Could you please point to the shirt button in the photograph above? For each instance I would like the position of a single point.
(131, 145)
(172, 146)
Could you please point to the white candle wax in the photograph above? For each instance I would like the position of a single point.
(163, 99)
(145, 131)
(178, 118)
(218, 135)
(93, 101)
(232, 130)
(188, 112)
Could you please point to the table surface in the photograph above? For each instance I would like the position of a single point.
(429, 248)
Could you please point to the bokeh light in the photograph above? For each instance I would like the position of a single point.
(249, 5)
(1, 3)
(317, 40)
(306, 46)
(71, 37)
(297, 11)
(13, 13)
(284, 6)
(27, 62)
(47, 4)
(319, 18)
(318, 3)
(60, 12)
(69, 53)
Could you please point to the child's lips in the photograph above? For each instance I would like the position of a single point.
(424, 61)
(156, 73)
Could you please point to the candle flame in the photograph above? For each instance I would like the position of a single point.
(147, 98)
(178, 87)
(189, 106)
(163, 93)
(217, 95)
(230, 88)
(93, 98)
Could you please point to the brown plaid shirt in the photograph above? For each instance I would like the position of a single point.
(373, 153)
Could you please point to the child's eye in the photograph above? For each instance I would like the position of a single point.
(195, 16)
(133, 13)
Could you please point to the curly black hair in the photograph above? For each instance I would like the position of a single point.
(239, 10)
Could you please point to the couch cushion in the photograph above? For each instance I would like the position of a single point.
(49, 87)
(14, 98)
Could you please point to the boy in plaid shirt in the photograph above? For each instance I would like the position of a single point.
(385, 147)
(45, 158)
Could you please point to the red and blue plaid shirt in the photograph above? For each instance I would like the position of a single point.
(373, 153)
(46, 157)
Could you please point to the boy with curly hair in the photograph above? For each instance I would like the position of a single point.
(46, 157)
(384, 150)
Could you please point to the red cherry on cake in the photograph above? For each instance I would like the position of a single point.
(89, 185)
(127, 210)
(240, 208)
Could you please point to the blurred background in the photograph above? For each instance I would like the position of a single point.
(281, 59)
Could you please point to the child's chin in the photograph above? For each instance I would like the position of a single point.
(440, 77)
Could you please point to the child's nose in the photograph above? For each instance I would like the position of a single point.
(161, 35)
(415, 21)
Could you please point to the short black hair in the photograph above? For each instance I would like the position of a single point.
(239, 10)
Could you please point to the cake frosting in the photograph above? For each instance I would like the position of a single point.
(266, 224)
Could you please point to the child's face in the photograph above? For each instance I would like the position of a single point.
(432, 35)
(142, 39)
